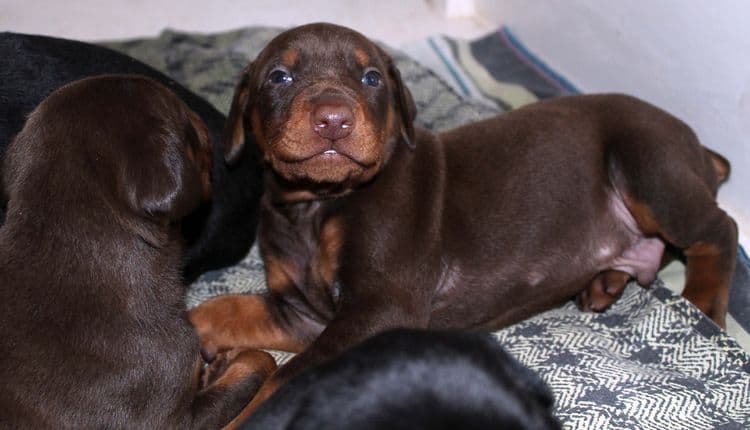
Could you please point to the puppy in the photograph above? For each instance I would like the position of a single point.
(93, 331)
(220, 232)
(368, 223)
(413, 379)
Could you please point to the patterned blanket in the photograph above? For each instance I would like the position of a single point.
(652, 361)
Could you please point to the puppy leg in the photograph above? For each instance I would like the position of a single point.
(669, 187)
(603, 290)
(228, 385)
(251, 321)
(710, 266)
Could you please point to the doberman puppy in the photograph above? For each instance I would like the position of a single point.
(370, 223)
(413, 379)
(93, 329)
(220, 232)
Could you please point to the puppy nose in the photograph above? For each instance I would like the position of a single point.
(332, 120)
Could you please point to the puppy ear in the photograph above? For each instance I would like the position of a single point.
(166, 180)
(167, 186)
(406, 106)
(200, 151)
(234, 131)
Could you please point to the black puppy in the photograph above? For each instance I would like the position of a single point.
(413, 379)
(218, 234)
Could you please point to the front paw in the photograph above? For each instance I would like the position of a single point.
(215, 323)
(236, 364)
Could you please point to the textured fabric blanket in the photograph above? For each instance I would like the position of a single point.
(652, 361)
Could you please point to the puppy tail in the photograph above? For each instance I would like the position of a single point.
(721, 165)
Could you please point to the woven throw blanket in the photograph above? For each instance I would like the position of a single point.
(652, 361)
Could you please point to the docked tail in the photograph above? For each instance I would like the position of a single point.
(721, 166)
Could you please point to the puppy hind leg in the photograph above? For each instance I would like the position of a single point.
(675, 202)
(710, 265)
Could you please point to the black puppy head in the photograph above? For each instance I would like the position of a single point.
(114, 141)
(326, 105)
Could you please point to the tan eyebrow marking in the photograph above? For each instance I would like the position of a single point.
(290, 56)
(362, 58)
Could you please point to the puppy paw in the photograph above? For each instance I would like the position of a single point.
(236, 364)
(217, 324)
(602, 291)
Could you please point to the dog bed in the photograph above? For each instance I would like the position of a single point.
(652, 361)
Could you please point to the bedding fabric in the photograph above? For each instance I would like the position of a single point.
(652, 361)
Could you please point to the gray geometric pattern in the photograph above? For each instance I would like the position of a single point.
(652, 361)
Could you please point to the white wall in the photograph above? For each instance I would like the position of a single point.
(691, 57)
(391, 21)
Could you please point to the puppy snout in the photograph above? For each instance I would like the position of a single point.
(332, 118)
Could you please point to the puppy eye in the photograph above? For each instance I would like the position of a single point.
(372, 78)
(280, 77)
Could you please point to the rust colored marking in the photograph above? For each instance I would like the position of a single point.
(236, 365)
(289, 57)
(362, 58)
(240, 321)
(203, 158)
(643, 215)
(707, 283)
(266, 390)
(721, 166)
(329, 247)
(603, 290)
(702, 248)
(280, 274)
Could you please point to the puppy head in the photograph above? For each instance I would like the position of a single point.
(113, 141)
(327, 107)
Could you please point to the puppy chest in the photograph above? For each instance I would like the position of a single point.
(303, 263)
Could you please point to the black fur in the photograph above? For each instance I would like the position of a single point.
(413, 379)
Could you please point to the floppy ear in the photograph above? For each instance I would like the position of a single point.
(234, 131)
(162, 184)
(406, 106)
(200, 151)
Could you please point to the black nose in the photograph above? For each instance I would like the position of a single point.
(332, 119)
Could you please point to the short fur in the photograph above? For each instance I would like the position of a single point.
(413, 379)
(381, 225)
(219, 233)
(93, 328)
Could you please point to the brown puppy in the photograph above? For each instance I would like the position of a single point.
(369, 224)
(93, 332)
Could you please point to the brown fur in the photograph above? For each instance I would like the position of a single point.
(475, 228)
(93, 331)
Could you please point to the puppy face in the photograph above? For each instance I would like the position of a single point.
(326, 105)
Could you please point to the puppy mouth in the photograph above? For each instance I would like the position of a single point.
(330, 155)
